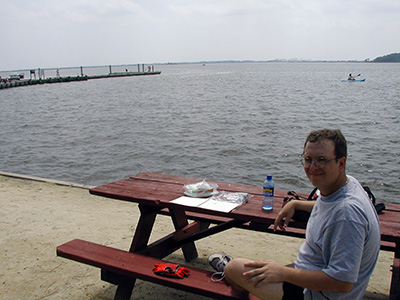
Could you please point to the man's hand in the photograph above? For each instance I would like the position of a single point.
(264, 272)
(269, 271)
(287, 212)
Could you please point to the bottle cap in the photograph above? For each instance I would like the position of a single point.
(269, 177)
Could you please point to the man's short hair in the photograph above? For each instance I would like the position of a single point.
(334, 135)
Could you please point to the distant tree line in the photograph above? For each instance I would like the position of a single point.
(394, 57)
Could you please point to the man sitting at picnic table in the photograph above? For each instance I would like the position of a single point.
(342, 237)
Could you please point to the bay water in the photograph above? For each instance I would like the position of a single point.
(233, 122)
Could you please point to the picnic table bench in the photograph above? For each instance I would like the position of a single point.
(118, 266)
(153, 192)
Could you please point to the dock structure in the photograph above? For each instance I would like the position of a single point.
(17, 82)
(123, 74)
(24, 82)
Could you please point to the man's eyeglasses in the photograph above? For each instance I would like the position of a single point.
(319, 163)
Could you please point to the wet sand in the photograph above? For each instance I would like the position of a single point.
(38, 215)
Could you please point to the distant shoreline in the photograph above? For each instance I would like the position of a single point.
(200, 62)
(393, 57)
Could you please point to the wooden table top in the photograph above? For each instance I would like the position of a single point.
(156, 189)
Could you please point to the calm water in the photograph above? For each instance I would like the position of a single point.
(227, 122)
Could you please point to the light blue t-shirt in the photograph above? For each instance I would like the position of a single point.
(342, 240)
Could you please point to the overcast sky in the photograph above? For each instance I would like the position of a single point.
(54, 33)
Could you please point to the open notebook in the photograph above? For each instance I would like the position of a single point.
(224, 202)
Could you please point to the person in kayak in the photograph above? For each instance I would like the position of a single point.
(342, 237)
(351, 77)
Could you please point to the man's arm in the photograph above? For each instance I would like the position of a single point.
(265, 272)
(288, 211)
(316, 280)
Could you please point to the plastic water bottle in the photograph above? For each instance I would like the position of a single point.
(268, 194)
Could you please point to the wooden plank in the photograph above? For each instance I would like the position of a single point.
(145, 192)
(390, 216)
(181, 222)
(154, 194)
(222, 186)
(143, 228)
(165, 178)
(395, 283)
(139, 266)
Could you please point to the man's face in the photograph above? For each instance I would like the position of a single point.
(326, 179)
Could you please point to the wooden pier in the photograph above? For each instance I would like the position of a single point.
(24, 82)
(123, 74)
(9, 83)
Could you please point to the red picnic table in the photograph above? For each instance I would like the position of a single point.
(154, 192)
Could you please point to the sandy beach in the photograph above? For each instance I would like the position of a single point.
(38, 215)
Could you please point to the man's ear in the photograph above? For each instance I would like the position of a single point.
(342, 163)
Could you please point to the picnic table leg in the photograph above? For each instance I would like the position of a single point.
(124, 290)
(142, 235)
(395, 284)
(144, 227)
(180, 220)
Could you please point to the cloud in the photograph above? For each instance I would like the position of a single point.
(131, 31)
(73, 11)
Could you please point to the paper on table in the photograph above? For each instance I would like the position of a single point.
(189, 201)
(206, 203)
(219, 205)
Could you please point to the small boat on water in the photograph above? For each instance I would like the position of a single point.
(352, 80)
(16, 76)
